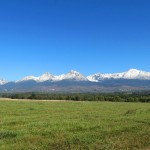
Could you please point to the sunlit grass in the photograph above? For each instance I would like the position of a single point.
(40, 125)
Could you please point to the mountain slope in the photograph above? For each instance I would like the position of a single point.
(74, 81)
(76, 76)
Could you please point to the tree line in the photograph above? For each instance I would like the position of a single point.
(113, 97)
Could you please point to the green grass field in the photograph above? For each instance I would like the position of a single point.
(32, 125)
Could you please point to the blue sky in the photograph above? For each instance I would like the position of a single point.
(89, 36)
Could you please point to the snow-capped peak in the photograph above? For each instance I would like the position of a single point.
(74, 72)
(2, 81)
(130, 74)
(77, 76)
(28, 78)
(46, 76)
(72, 75)
(136, 74)
(133, 70)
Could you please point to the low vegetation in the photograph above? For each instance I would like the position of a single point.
(114, 97)
(39, 125)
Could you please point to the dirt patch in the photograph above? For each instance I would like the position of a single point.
(9, 99)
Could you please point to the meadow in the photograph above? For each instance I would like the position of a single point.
(69, 125)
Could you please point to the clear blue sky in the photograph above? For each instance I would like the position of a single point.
(89, 36)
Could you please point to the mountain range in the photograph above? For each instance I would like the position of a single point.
(74, 81)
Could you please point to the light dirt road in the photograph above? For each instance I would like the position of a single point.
(9, 99)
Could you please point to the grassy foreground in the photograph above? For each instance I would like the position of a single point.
(32, 125)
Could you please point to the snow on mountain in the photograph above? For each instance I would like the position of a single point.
(2, 81)
(136, 74)
(130, 74)
(76, 76)
(27, 78)
(45, 77)
(60, 77)
(72, 75)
